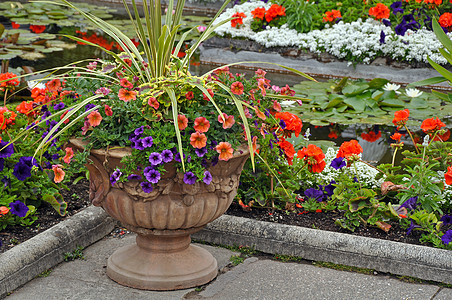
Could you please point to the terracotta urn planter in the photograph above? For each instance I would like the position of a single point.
(163, 257)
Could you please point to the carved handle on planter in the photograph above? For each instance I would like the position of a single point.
(99, 182)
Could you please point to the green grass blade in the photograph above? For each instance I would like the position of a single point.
(172, 96)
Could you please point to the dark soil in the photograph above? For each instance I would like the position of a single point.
(77, 198)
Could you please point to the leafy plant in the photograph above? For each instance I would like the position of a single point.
(76, 254)
(300, 14)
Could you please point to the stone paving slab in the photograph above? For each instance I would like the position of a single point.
(87, 279)
(266, 279)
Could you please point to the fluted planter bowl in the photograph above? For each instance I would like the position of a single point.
(163, 257)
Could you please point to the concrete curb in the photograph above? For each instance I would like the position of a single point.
(385, 256)
(29, 259)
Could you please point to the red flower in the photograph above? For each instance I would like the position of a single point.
(350, 148)
(332, 15)
(400, 117)
(237, 88)
(8, 80)
(380, 11)
(431, 125)
(94, 118)
(69, 154)
(289, 150)
(108, 110)
(442, 137)
(258, 13)
(25, 108)
(202, 124)
(189, 95)
(15, 25)
(448, 176)
(371, 136)
(53, 85)
(238, 19)
(182, 122)
(293, 123)
(37, 28)
(332, 134)
(314, 157)
(153, 103)
(445, 20)
(396, 137)
(274, 11)
(198, 140)
(210, 93)
(125, 83)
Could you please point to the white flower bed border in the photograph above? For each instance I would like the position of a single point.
(360, 39)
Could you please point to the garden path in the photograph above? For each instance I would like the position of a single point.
(255, 278)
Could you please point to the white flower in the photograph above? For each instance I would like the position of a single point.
(33, 84)
(392, 87)
(287, 103)
(413, 93)
(426, 140)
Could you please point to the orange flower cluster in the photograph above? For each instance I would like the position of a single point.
(448, 176)
(350, 148)
(380, 11)
(314, 157)
(288, 148)
(445, 20)
(37, 28)
(8, 81)
(272, 13)
(332, 15)
(431, 125)
(7, 117)
(371, 136)
(401, 117)
(237, 19)
(293, 123)
(101, 41)
(436, 2)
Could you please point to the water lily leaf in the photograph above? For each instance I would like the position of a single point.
(392, 102)
(319, 123)
(354, 89)
(356, 103)
(378, 83)
(9, 53)
(47, 36)
(32, 55)
(35, 11)
(417, 103)
(377, 94)
(52, 49)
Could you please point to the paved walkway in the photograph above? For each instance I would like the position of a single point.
(255, 278)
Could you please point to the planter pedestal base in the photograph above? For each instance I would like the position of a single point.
(163, 261)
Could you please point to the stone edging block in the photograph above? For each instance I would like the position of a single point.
(381, 255)
(29, 259)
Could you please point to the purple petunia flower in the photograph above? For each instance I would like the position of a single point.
(89, 106)
(446, 219)
(207, 177)
(313, 193)
(386, 22)
(139, 131)
(115, 176)
(447, 237)
(2, 164)
(167, 156)
(147, 142)
(201, 152)
(146, 187)
(410, 203)
(338, 163)
(382, 37)
(22, 170)
(152, 176)
(18, 208)
(138, 144)
(282, 124)
(6, 181)
(329, 188)
(155, 158)
(58, 106)
(412, 226)
(134, 177)
(189, 178)
(6, 151)
(401, 28)
(397, 7)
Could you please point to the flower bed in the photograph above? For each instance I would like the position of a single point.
(360, 36)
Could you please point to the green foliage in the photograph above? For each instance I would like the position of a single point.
(236, 259)
(300, 14)
(76, 254)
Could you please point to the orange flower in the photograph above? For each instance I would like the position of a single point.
(94, 118)
(371, 136)
(400, 117)
(4, 210)
(237, 88)
(276, 106)
(332, 134)
(182, 122)
(332, 15)
(314, 157)
(38, 94)
(8, 117)
(396, 137)
(228, 121)
(431, 125)
(289, 150)
(445, 20)
(350, 148)
(153, 103)
(238, 19)
(53, 85)
(292, 123)
(69, 155)
(201, 124)
(258, 13)
(15, 25)
(442, 137)
(37, 28)
(108, 110)
(448, 176)
(260, 114)
(125, 83)
(126, 95)
(58, 172)
(274, 11)
(12, 82)
(380, 11)
(225, 150)
(198, 140)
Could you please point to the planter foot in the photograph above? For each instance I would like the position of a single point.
(142, 266)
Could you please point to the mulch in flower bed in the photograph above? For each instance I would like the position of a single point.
(78, 195)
